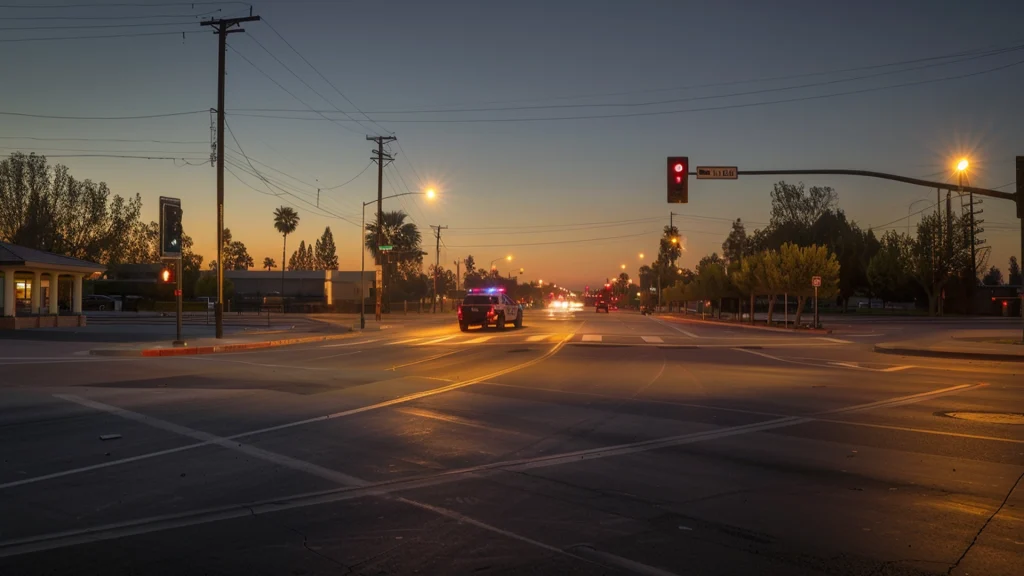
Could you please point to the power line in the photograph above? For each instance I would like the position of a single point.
(91, 26)
(141, 117)
(555, 231)
(636, 220)
(350, 180)
(289, 92)
(124, 156)
(182, 33)
(124, 4)
(697, 98)
(304, 83)
(672, 112)
(904, 218)
(136, 17)
(736, 82)
(104, 151)
(329, 83)
(40, 139)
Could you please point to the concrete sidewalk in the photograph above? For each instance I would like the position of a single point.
(991, 345)
(233, 343)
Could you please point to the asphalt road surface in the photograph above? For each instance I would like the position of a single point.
(580, 444)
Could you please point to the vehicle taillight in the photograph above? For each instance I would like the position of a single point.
(491, 311)
(460, 313)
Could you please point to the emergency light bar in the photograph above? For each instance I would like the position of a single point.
(486, 291)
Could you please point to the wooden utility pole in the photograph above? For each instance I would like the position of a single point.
(222, 28)
(437, 259)
(381, 158)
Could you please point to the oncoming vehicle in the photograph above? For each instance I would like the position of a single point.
(485, 306)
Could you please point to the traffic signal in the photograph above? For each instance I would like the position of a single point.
(170, 228)
(167, 275)
(678, 179)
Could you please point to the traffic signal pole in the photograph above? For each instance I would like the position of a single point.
(222, 27)
(178, 341)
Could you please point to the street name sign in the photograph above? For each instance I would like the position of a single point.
(716, 172)
(386, 248)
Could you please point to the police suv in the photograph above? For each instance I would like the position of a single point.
(485, 306)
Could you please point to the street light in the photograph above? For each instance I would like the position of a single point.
(641, 255)
(362, 250)
(508, 258)
(961, 167)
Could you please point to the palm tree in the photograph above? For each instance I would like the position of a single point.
(269, 263)
(286, 220)
(403, 236)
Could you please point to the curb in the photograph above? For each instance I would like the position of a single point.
(748, 326)
(217, 349)
(924, 352)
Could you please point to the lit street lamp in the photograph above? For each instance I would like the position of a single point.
(961, 167)
(429, 193)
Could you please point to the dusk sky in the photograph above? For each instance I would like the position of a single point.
(587, 193)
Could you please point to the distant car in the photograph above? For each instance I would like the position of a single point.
(485, 306)
(98, 302)
(601, 305)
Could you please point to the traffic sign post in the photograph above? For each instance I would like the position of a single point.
(816, 282)
(717, 172)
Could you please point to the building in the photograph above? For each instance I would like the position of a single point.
(328, 287)
(35, 283)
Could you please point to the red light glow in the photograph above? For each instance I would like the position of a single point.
(679, 167)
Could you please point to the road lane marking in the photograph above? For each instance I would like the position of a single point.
(361, 342)
(652, 339)
(478, 340)
(538, 337)
(230, 444)
(673, 326)
(591, 337)
(435, 341)
(400, 400)
(921, 431)
(434, 415)
(340, 354)
(137, 527)
(836, 340)
(403, 341)
(828, 364)
(422, 360)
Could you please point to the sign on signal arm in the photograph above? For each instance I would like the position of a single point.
(716, 172)
(816, 281)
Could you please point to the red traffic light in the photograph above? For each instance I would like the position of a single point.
(678, 174)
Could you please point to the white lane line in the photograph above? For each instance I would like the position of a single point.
(862, 335)
(400, 400)
(403, 341)
(198, 517)
(850, 365)
(422, 360)
(591, 337)
(478, 340)
(435, 341)
(272, 457)
(339, 355)
(289, 366)
(538, 337)
(836, 340)
(652, 339)
(897, 368)
(674, 327)
(361, 342)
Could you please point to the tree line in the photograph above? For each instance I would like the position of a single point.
(808, 235)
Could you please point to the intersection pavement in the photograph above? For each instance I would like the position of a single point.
(580, 444)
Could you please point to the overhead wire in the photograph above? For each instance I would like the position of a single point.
(334, 121)
(182, 33)
(255, 172)
(140, 140)
(93, 26)
(325, 79)
(350, 180)
(135, 17)
(138, 117)
(594, 240)
(672, 112)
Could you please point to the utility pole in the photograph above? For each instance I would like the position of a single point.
(222, 28)
(437, 259)
(458, 265)
(381, 158)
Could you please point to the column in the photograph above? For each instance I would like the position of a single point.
(8, 291)
(37, 279)
(54, 283)
(76, 295)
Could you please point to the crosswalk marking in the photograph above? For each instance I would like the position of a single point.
(403, 341)
(537, 338)
(652, 339)
(591, 337)
(479, 340)
(428, 342)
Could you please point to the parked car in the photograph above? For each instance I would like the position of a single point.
(98, 302)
